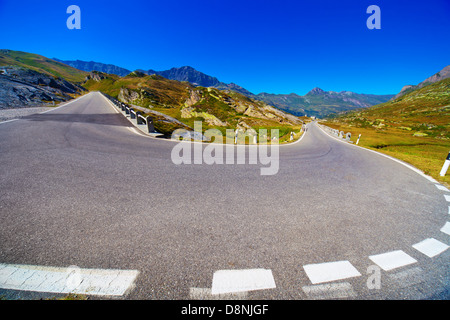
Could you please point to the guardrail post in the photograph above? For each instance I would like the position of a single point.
(132, 113)
(127, 110)
(348, 136)
(150, 126)
(445, 166)
(139, 118)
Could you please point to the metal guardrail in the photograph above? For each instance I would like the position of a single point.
(134, 115)
(339, 134)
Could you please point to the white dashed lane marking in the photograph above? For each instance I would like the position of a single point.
(330, 271)
(431, 247)
(392, 260)
(228, 281)
(447, 197)
(446, 228)
(66, 280)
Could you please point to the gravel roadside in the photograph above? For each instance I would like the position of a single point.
(15, 113)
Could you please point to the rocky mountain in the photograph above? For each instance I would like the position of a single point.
(197, 78)
(317, 102)
(28, 80)
(23, 87)
(441, 75)
(89, 66)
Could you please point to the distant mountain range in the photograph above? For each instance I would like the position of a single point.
(317, 102)
(89, 66)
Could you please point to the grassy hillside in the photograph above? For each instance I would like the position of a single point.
(414, 127)
(41, 64)
(221, 109)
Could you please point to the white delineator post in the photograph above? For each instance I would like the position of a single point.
(445, 166)
(357, 141)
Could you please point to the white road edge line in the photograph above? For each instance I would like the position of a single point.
(431, 179)
(441, 187)
(102, 282)
(11, 120)
(55, 108)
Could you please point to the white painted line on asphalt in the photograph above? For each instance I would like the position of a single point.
(227, 281)
(441, 187)
(429, 178)
(446, 228)
(102, 282)
(65, 103)
(6, 121)
(330, 291)
(330, 271)
(205, 294)
(430, 247)
(447, 197)
(392, 260)
(448, 209)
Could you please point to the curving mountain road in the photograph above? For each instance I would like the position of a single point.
(80, 187)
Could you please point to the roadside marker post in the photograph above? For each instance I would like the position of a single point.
(445, 166)
(357, 141)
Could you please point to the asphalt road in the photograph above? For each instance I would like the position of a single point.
(78, 187)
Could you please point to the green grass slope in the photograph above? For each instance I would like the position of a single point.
(414, 127)
(41, 64)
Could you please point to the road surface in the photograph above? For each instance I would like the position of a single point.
(79, 187)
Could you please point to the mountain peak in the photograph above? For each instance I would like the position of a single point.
(316, 90)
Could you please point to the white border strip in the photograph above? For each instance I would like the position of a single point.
(101, 282)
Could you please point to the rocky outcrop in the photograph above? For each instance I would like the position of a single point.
(21, 87)
(128, 96)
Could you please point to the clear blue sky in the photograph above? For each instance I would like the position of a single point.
(274, 46)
